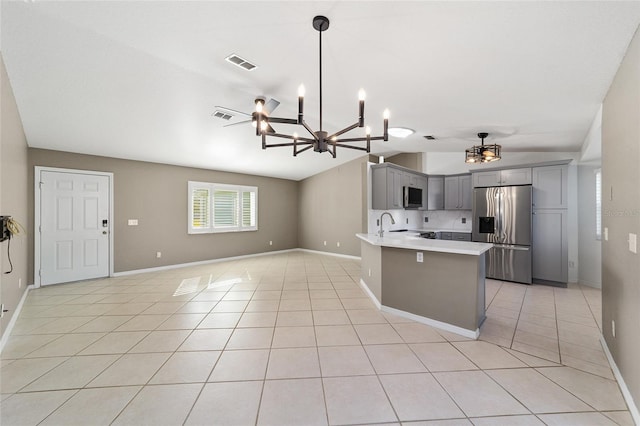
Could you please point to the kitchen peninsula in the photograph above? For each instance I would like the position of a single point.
(436, 282)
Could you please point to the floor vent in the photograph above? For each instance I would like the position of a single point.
(242, 63)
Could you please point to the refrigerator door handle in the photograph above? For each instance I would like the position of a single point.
(512, 247)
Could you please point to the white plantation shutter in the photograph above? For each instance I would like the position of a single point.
(249, 208)
(222, 208)
(200, 214)
(225, 209)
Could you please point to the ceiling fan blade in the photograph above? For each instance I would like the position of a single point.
(271, 105)
(239, 122)
(232, 111)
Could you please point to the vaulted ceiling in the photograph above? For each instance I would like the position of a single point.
(140, 80)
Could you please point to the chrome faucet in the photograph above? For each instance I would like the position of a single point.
(393, 222)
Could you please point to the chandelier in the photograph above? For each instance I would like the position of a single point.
(482, 153)
(320, 141)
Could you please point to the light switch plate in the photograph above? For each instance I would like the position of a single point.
(633, 243)
(606, 234)
(419, 258)
(132, 222)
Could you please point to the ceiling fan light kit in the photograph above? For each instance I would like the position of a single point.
(320, 141)
(483, 153)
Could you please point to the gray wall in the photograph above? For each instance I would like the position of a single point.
(156, 195)
(621, 215)
(332, 208)
(13, 198)
(589, 248)
(410, 160)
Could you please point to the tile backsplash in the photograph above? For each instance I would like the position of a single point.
(414, 219)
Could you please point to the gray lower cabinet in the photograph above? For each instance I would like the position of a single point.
(549, 245)
(461, 236)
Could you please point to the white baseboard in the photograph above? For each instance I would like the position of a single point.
(225, 259)
(633, 408)
(14, 318)
(471, 334)
(372, 296)
(328, 253)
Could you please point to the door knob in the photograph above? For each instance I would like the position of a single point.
(104, 232)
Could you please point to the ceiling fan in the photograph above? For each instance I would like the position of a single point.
(267, 109)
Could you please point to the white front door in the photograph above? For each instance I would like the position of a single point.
(74, 226)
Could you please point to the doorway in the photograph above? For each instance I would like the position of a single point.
(73, 230)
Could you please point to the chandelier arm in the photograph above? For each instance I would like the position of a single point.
(345, 130)
(281, 120)
(362, 139)
(359, 148)
(310, 130)
(273, 145)
(283, 136)
(302, 150)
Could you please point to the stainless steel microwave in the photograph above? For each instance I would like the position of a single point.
(412, 197)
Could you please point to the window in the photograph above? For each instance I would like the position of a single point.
(598, 204)
(215, 207)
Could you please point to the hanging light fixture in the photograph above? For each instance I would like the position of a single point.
(320, 141)
(482, 153)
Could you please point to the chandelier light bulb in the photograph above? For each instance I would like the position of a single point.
(361, 95)
(263, 125)
(295, 135)
(386, 114)
(259, 107)
(301, 91)
(368, 130)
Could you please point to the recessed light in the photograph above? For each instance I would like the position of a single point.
(400, 132)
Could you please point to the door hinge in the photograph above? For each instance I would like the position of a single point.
(41, 183)
(40, 229)
(39, 272)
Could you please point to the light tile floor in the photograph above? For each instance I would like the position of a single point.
(292, 339)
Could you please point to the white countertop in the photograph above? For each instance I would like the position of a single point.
(411, 240)
(464, 231)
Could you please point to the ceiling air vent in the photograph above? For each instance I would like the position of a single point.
(222, 115)
(242, 63)
(430, 138)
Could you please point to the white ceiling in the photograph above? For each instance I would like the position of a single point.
(139, 80)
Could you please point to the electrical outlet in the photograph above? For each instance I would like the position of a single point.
(270, 243)
(158, 254)
(1, 310)
(613, 328)
(633, 243)
(19, 282)
(606, 234)
(419, 257)
(369, 271)
(338, 244)
(407, 221)
(377, 222)
(464, 220)
(325, 243)
(426, 219)
(132, 222)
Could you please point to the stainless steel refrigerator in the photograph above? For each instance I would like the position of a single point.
(502, 216)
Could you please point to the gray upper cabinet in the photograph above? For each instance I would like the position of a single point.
(457, 192)
(521, 176)
(387, 184)
(435, 193)
(550, 187)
